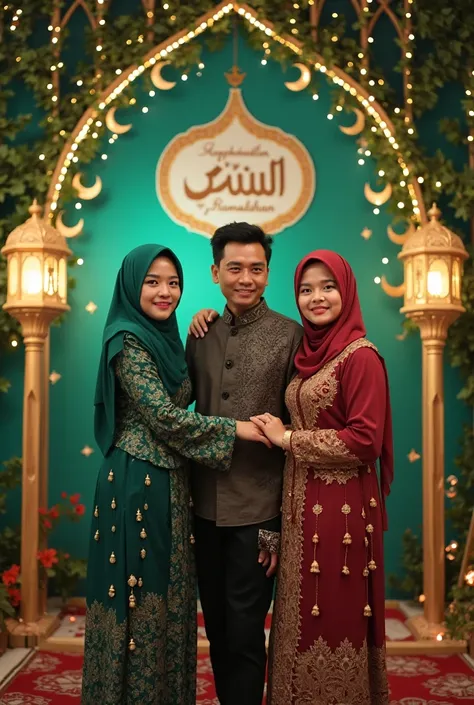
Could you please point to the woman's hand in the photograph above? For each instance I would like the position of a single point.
(248, 431)
(271, 426)
(199, 324)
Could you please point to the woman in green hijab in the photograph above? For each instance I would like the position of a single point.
(140, 646)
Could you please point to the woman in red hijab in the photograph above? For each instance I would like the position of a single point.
(328, 638)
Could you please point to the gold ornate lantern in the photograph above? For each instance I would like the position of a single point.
(433, 259)
(36, 294)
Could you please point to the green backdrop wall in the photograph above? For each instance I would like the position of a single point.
(127, 214)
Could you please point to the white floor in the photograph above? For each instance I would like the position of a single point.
(11, 662)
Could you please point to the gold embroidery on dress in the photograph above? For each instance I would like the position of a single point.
(341, 475)
(343, 675)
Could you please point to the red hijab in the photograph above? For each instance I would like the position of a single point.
(323, 343)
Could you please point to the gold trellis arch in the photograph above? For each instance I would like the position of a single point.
(164, 50)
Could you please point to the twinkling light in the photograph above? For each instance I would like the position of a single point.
(251, 17)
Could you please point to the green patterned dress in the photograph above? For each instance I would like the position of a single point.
(140, 646)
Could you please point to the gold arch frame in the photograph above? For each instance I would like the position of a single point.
(166, 48)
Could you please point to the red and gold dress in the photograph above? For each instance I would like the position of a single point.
(328, 638)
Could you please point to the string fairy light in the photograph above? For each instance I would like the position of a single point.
(124, 79)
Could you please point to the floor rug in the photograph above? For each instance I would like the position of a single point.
(55, 679)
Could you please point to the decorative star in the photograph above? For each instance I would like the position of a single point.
(366, 233)
(91, 307)
(54, 377)
(413, 456)
(87, 450)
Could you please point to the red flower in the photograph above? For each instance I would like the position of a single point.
(64, 495)
(48, 557)
(47, 524)
(15, 596)
(10, 576)
(80, 509)
(74, 498)
(43, 511)
(66, 556)
(54, 512)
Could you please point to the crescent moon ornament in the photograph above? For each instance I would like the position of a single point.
(357, 127)
(158, 80)
(115, 126)
(84, 192)
(378, 198)
(302, 82)
(400, 239)
(67, 231)
(393, 291)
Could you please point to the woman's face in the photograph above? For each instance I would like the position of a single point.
(319, 298)
(161, 290)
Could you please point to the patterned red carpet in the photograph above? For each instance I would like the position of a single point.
(55, 679)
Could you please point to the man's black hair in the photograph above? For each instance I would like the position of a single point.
(242, 233)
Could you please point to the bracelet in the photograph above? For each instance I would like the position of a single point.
(286, 440)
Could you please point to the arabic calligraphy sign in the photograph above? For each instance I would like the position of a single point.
(235, 168)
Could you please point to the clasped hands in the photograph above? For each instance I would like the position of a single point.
(264, 428)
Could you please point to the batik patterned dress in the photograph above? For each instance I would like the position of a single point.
(328, 639)
(140, 646)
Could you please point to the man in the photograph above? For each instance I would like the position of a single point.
(240, 367)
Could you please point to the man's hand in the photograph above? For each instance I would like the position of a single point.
(199, 323)
(268, 559)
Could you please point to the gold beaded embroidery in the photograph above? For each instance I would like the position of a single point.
(96, 511)
(110, 477)
(148, 481)
(131, 645)
(114, 529)
(143, 534)
(314, 568)
(113, 504)
(132, 581)
(139, 515)
(112, 558)
(111, 591)
(97, 535)
(140, 582)
(142, 553)
(373, 502)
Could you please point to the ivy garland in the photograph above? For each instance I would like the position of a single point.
(444, 55)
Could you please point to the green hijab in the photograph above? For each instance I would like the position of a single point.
(160, 338)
